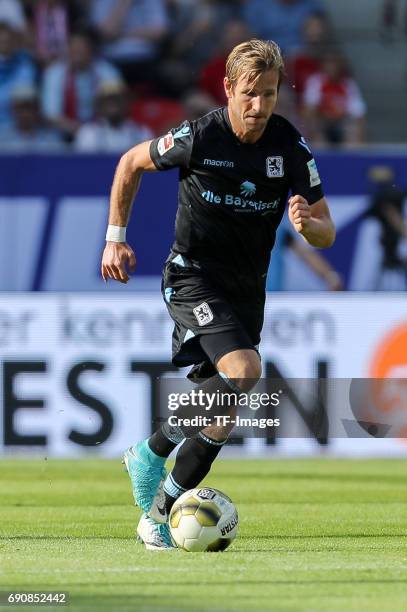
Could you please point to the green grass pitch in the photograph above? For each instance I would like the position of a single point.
(315, 535)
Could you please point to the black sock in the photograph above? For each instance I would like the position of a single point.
(169, 501)
(165, 439)
(225, 393)
(160, 445)
(193, 462)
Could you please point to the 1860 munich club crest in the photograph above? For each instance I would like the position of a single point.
(274, 166)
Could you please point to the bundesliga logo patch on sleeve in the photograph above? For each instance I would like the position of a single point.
(313, 173)
(203, 314)
(165, 143)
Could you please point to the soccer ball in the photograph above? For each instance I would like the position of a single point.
(203, 520)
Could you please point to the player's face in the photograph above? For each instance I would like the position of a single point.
(250, 107)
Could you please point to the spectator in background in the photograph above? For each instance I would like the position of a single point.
(317, 38)
(16, 66)
(197, 29)
(281, 20)
(69, 87)
(213, 72)
(14, 11)
(132, 31)
(389, 20)
(333, 107)
(113, 131)
(50, 26)
(387, 208)
(380, 250)
(286, 103)
(159, 114)
(29, 132)
(196, 104)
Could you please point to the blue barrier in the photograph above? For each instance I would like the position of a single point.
(53, 211)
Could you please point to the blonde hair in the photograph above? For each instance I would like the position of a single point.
(252, 58)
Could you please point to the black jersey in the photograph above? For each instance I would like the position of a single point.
(232, 195)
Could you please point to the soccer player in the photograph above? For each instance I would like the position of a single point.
(237, 166)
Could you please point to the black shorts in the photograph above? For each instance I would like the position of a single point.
(208, 323)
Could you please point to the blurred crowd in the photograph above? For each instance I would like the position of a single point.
(103, 75)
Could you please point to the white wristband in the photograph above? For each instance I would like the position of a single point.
(116, 233)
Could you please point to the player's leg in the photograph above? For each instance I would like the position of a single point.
(241, 368)
(219, 318)
(145, 460)
(147, 473)
(238, 370)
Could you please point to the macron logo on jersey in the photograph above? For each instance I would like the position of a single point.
(219, 163)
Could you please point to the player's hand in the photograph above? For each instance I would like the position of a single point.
(299, 213)
(334, 281)
(118, 257)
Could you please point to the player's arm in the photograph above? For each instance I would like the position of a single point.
(118, 256)
(313, 221)
(173, 150)
(307, 208)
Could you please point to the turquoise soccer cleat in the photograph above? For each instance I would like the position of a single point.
(155, 536)
(147, 475)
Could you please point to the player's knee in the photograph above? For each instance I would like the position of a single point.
(248, 375)
(221, 432)
(243, 369)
